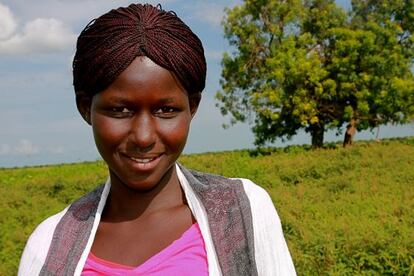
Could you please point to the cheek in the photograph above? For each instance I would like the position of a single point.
(107, 132)
(175, 133)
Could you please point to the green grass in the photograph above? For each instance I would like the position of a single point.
(344, 211)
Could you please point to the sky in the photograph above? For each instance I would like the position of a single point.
(38, 115)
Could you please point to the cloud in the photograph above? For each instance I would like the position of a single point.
(210, 13)
(23, 147)
(26, 147)
(215, 55)
(41, 35)
(7, 22)
(76, 13)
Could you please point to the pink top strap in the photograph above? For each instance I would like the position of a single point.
(185, 256)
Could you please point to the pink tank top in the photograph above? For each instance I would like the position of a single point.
(185, 256)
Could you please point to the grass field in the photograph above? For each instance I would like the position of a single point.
(344, 211)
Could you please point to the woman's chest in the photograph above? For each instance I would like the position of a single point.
(133, 242)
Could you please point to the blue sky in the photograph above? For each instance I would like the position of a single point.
(37, 109)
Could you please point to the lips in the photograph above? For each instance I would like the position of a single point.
(143, 160)
(143, 163)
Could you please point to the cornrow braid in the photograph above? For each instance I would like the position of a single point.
(108, 45)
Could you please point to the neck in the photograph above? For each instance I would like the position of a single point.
(126, 204)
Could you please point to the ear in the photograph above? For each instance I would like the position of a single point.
(194, 100)
(84, 103)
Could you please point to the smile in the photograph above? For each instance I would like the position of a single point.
(143, 160)
(144, 163)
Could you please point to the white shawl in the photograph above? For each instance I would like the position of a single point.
(271, 252)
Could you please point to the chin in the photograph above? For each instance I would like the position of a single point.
(143, 181)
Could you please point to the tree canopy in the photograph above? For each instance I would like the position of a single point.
(309, 64)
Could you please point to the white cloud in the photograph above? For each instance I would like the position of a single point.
(41, 35)
(26, 147)
(76, 13)
(23, 147)
(7, 22)
(210, 13)
(212, 54)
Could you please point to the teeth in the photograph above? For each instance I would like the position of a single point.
(146, 160)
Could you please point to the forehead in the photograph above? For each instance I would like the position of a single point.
(141, 82)
(144, 72)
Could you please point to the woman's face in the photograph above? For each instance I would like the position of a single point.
(140, 124)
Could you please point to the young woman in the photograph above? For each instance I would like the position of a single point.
(138, 76)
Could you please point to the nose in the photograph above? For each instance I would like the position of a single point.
(143, 132)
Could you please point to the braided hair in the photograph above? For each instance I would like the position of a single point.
(109, 44)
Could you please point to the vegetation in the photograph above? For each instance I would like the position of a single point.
(310, 64)
(344, 211)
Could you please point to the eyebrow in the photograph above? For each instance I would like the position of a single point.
(119, 100)
(122, 100)
(167, 100)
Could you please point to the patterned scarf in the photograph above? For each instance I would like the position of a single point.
(228, 213)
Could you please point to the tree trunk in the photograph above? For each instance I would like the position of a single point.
(377, 137)
(317, 131)
(350, 132)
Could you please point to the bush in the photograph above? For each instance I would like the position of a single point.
(343, 211)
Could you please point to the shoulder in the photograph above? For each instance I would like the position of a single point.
(261, 204)
(251, 189)
(212, 183)
(37, 246)
(213, 179)
(206, 181)
(54, 228)
(254, 191)
(46, 226)
(212, 187)
(272, 253)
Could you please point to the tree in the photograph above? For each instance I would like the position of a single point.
(308, 64)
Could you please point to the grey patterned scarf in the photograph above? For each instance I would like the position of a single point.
(228, 213)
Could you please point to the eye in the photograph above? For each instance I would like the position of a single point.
(120, 112)
(166, 111)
